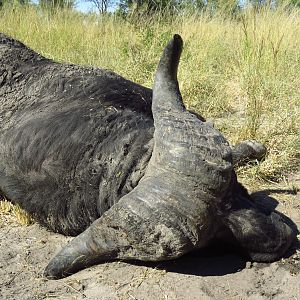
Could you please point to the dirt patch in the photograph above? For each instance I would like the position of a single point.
(217, 274)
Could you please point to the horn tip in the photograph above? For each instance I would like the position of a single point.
(177, 40)
(177, 36)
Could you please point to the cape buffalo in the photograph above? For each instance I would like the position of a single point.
(136, 175)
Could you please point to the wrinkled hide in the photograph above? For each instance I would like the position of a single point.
(73, 139)
(85, 150)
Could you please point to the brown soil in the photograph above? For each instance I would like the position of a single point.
(210, 274)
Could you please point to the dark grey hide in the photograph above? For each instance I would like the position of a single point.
(74, 140)
(85, 149)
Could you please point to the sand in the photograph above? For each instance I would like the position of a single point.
(209, 274)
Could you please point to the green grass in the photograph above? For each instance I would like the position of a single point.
(241, 73)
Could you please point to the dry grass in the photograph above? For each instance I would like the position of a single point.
(242, 73)
(10, 213)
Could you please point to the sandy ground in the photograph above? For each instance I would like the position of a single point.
(210, 274)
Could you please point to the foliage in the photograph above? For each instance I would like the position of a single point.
(101, 5)
(13, 2)
(295, 3)
(176, 6)
(57, 4)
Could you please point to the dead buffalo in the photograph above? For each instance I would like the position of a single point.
(86, 151)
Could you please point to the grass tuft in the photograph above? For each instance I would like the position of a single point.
(14, 213)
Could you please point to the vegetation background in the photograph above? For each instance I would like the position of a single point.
(240, 65)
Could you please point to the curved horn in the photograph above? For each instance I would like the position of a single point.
(166, 94)
(143, 225)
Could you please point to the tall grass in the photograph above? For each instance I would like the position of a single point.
(242, 73)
